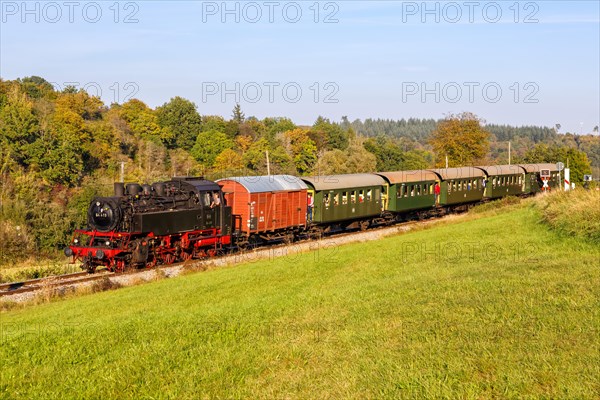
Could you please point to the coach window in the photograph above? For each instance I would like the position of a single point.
(449, 184)
(353, 197)
(326, 199)
(344, 198)
(369, 195)
(336, 199)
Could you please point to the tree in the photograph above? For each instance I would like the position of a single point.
(229, 160)
(355, 159)
(302, 149)
(388, 154)
(238, 116)
(461, 138)
(255, 158)
(209, 145)
(577, 160)
(182, 119)
(18, 125)
(143, 123)
(336, 137)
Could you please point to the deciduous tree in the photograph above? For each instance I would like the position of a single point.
(181, 117)
(462, 138)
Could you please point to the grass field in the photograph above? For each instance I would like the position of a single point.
(493, 305)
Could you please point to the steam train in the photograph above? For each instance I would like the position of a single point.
(191, 217)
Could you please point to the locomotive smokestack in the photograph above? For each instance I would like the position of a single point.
(119, 189)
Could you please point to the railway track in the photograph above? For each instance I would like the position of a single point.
(12, 288)
(57, 281)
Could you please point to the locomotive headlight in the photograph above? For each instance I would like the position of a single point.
(108, 243)
(68, 252)
(75, 241)
(99, 254)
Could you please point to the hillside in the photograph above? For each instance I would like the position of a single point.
(492, 304)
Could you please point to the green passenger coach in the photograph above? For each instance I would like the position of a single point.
(339, 198)
(409, 190)
(503, 180)
(534, 174)
(460, 185)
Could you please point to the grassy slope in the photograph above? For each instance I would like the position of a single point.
(508, 310)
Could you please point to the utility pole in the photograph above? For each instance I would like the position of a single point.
(268, 164)
(509, 152)
(446, 161)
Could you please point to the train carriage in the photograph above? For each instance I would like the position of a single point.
(503, 180)
(409, 190)
(344, 198)
(270, 207)
(460, 185)
(534, 174)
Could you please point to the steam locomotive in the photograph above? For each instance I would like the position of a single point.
(191, 217)
(142, 225)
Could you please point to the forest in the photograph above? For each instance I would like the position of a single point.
(59, 149)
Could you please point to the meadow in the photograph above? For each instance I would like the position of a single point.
(499, 303)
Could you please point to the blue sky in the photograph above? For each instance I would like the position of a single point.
(521, 63)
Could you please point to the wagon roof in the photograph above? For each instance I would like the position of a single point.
(538, 167)
(459, 173)
(502, 169)
(420, 175)
(268, 183)
(332, 182)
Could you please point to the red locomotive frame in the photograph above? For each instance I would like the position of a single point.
(114, 250)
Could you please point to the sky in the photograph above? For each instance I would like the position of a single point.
(509, 62)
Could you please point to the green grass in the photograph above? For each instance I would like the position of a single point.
(575, 213)
(509, 310)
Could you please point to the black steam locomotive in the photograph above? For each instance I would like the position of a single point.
(148, 224)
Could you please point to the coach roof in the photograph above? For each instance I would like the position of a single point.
(538, 167)
(268, 183)
(351, 181)
(459, 173)
(502, 169)
(420, 175)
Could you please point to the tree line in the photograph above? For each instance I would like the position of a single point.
(58, 149)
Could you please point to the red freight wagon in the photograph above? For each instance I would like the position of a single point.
(270, 206)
